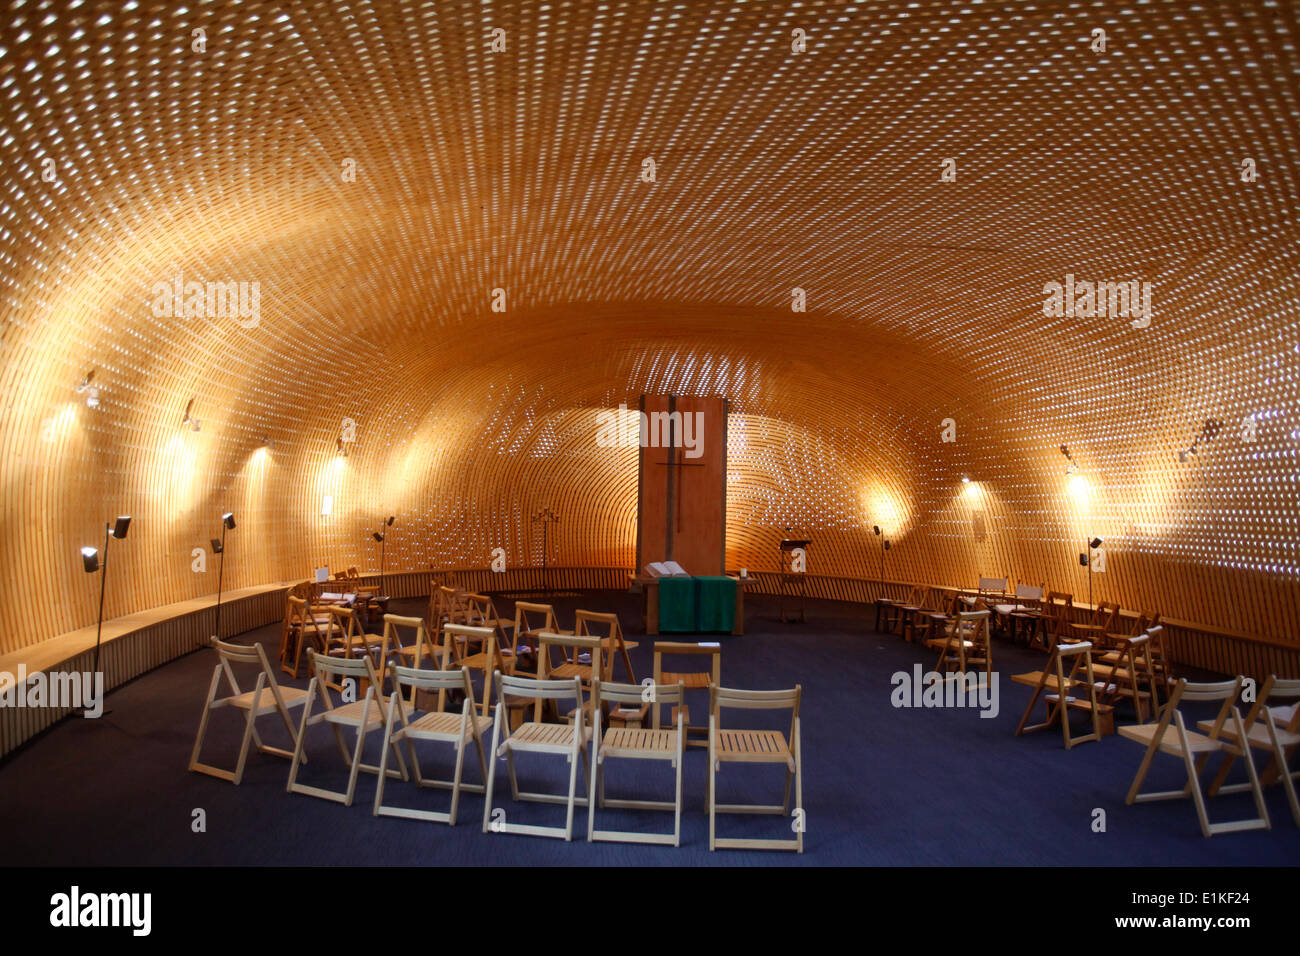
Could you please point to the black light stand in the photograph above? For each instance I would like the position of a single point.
(91, 562)
(219, 548)
(382, 537)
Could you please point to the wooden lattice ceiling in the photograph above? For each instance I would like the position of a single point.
(135, 149)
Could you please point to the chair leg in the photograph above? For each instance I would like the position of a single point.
(1194, 782)
(356, 753)
(383, 754)
(1249, 758)
(249, 733)
(455, 780)
(301, 736)
(798, 783)
(1143, 769)
(711, 795)
(594, 774)
(203, 720)
(491, 770)
(1283, 767)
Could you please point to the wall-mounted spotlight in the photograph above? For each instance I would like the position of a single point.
(268, 443)
(965, 479)
(90, 392)
(189, 419)
(1208, 431)
(1072, 468)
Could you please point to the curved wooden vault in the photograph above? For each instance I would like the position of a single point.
(380, 171)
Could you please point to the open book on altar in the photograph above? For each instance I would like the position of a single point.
(666, 569)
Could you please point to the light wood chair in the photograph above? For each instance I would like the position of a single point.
(610, 631)
(567, 740)
(364, 715)
(266, 697)
(421, 645)
(530, 620)
(624, 743)
(347, 637)
(1266, 729)
(1101, 622)
(1062, 692)
(965, 644)
(446, 606)
(1054, 619)
(304, 625)
(481, 611)
(755, 746)
(1170, 736)
(439, 726)
(1131, 676)
(572, 649)
(492, 657)
(690, 680)
(1024, 610)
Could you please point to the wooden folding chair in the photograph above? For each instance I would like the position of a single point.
(421, 645)
(607, 628)
(530, 620)
(1100, 624)
(266, 697)
(567, 740)
(347, 637)
(482, 612)
(440, 726)
(635, 744)
(571, 664)
(755, 746)
(1267, 730)
(1023, 609)
(1195, 750)
(1162, 671)
(362, 715)
(965, 644)
(1058, 691)
(1130, 676)
(303, 625)
(493, 657)
(690, 680)
(1056, 611)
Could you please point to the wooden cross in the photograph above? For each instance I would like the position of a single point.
(673, 462)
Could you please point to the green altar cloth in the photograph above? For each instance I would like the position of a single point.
(697, 605)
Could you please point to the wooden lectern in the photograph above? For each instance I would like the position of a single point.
(794, 584)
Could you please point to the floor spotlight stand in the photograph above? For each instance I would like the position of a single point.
(103, 581)
(227, 522)
(93, 561)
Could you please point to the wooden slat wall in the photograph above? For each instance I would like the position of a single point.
(515, 171)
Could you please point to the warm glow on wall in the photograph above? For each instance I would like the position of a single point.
(1077, 486)
(885, 509)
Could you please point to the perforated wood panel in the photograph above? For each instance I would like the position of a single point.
(379, 171)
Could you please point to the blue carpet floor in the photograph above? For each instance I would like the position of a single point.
(882, 786)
